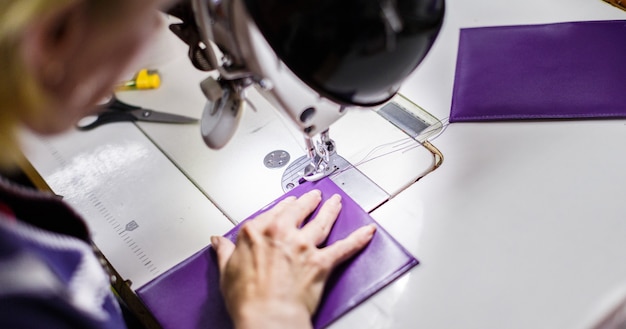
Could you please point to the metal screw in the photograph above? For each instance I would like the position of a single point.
(276, 159)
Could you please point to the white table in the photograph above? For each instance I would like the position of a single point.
(523, 226)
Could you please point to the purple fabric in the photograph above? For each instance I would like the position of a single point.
(551, 71)
(188, 295)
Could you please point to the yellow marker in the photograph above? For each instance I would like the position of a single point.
(145, 79)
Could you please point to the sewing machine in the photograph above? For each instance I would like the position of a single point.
(333, 58)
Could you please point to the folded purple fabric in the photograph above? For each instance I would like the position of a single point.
(550, 71)
(188, 295)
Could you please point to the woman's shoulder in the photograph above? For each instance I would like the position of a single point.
(50, 279)
(42, 209)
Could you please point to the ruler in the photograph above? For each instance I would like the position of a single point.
(145, 215)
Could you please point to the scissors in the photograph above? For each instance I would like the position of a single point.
(115, 110)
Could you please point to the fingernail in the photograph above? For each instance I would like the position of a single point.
(316, 191)
(371, 230)
(335, 199)
(215, 241)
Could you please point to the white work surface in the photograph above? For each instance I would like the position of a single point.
(522, 226)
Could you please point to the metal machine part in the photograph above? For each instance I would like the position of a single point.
(410, 118)
(222, 114)
(320, 153)
(276, 159)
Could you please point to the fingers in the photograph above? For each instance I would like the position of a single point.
(294, 210)
(305, 205)
(348, 247)
(273, 224)
(318, 229)
(224, 249)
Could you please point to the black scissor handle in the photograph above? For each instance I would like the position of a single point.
(112, 110)
(116, 104)
(109, 116)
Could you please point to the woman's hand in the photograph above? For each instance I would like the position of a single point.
(275, 274)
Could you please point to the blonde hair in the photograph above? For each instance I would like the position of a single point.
(20, 95)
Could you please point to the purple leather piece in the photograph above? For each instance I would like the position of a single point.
(188, 295)
(550, 71)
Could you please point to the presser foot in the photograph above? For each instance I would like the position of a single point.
(314, 172)
(302, 170)
(358, 186)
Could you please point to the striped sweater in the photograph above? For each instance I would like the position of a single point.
(49, 274)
